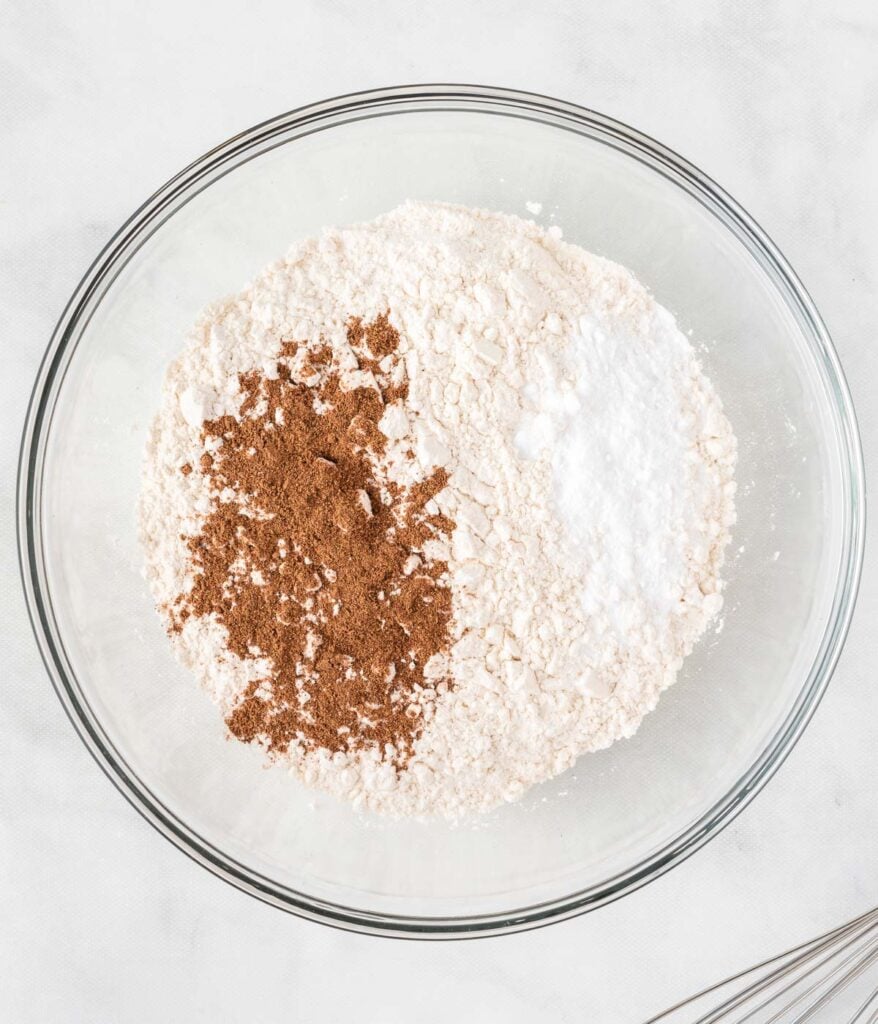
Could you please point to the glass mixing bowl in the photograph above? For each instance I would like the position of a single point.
(619, 818)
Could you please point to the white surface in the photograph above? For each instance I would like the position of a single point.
(105, 921)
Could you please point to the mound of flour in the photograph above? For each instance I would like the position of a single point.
(590, 481)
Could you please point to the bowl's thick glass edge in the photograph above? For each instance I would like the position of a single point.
(148, 216)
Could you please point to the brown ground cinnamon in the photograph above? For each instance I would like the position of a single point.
(309, 564)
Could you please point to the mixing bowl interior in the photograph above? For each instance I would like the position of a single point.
(618, 816)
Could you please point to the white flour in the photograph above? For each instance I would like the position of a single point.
(590, 479)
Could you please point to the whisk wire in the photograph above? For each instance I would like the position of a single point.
(865, 960)
(860, 1016)
(813, 970)
(855, 942)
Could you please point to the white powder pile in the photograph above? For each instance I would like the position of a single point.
(590, 481)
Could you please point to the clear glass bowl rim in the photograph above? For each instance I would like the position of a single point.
(198, 176)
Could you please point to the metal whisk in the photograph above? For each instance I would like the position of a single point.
(794, 986)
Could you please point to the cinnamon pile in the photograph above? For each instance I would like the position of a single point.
(317, 562)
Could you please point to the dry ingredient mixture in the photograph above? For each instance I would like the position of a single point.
(436, 505)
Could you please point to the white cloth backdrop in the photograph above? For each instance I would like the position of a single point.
(103, 921)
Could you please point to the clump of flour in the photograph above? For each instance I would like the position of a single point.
(590, 481)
